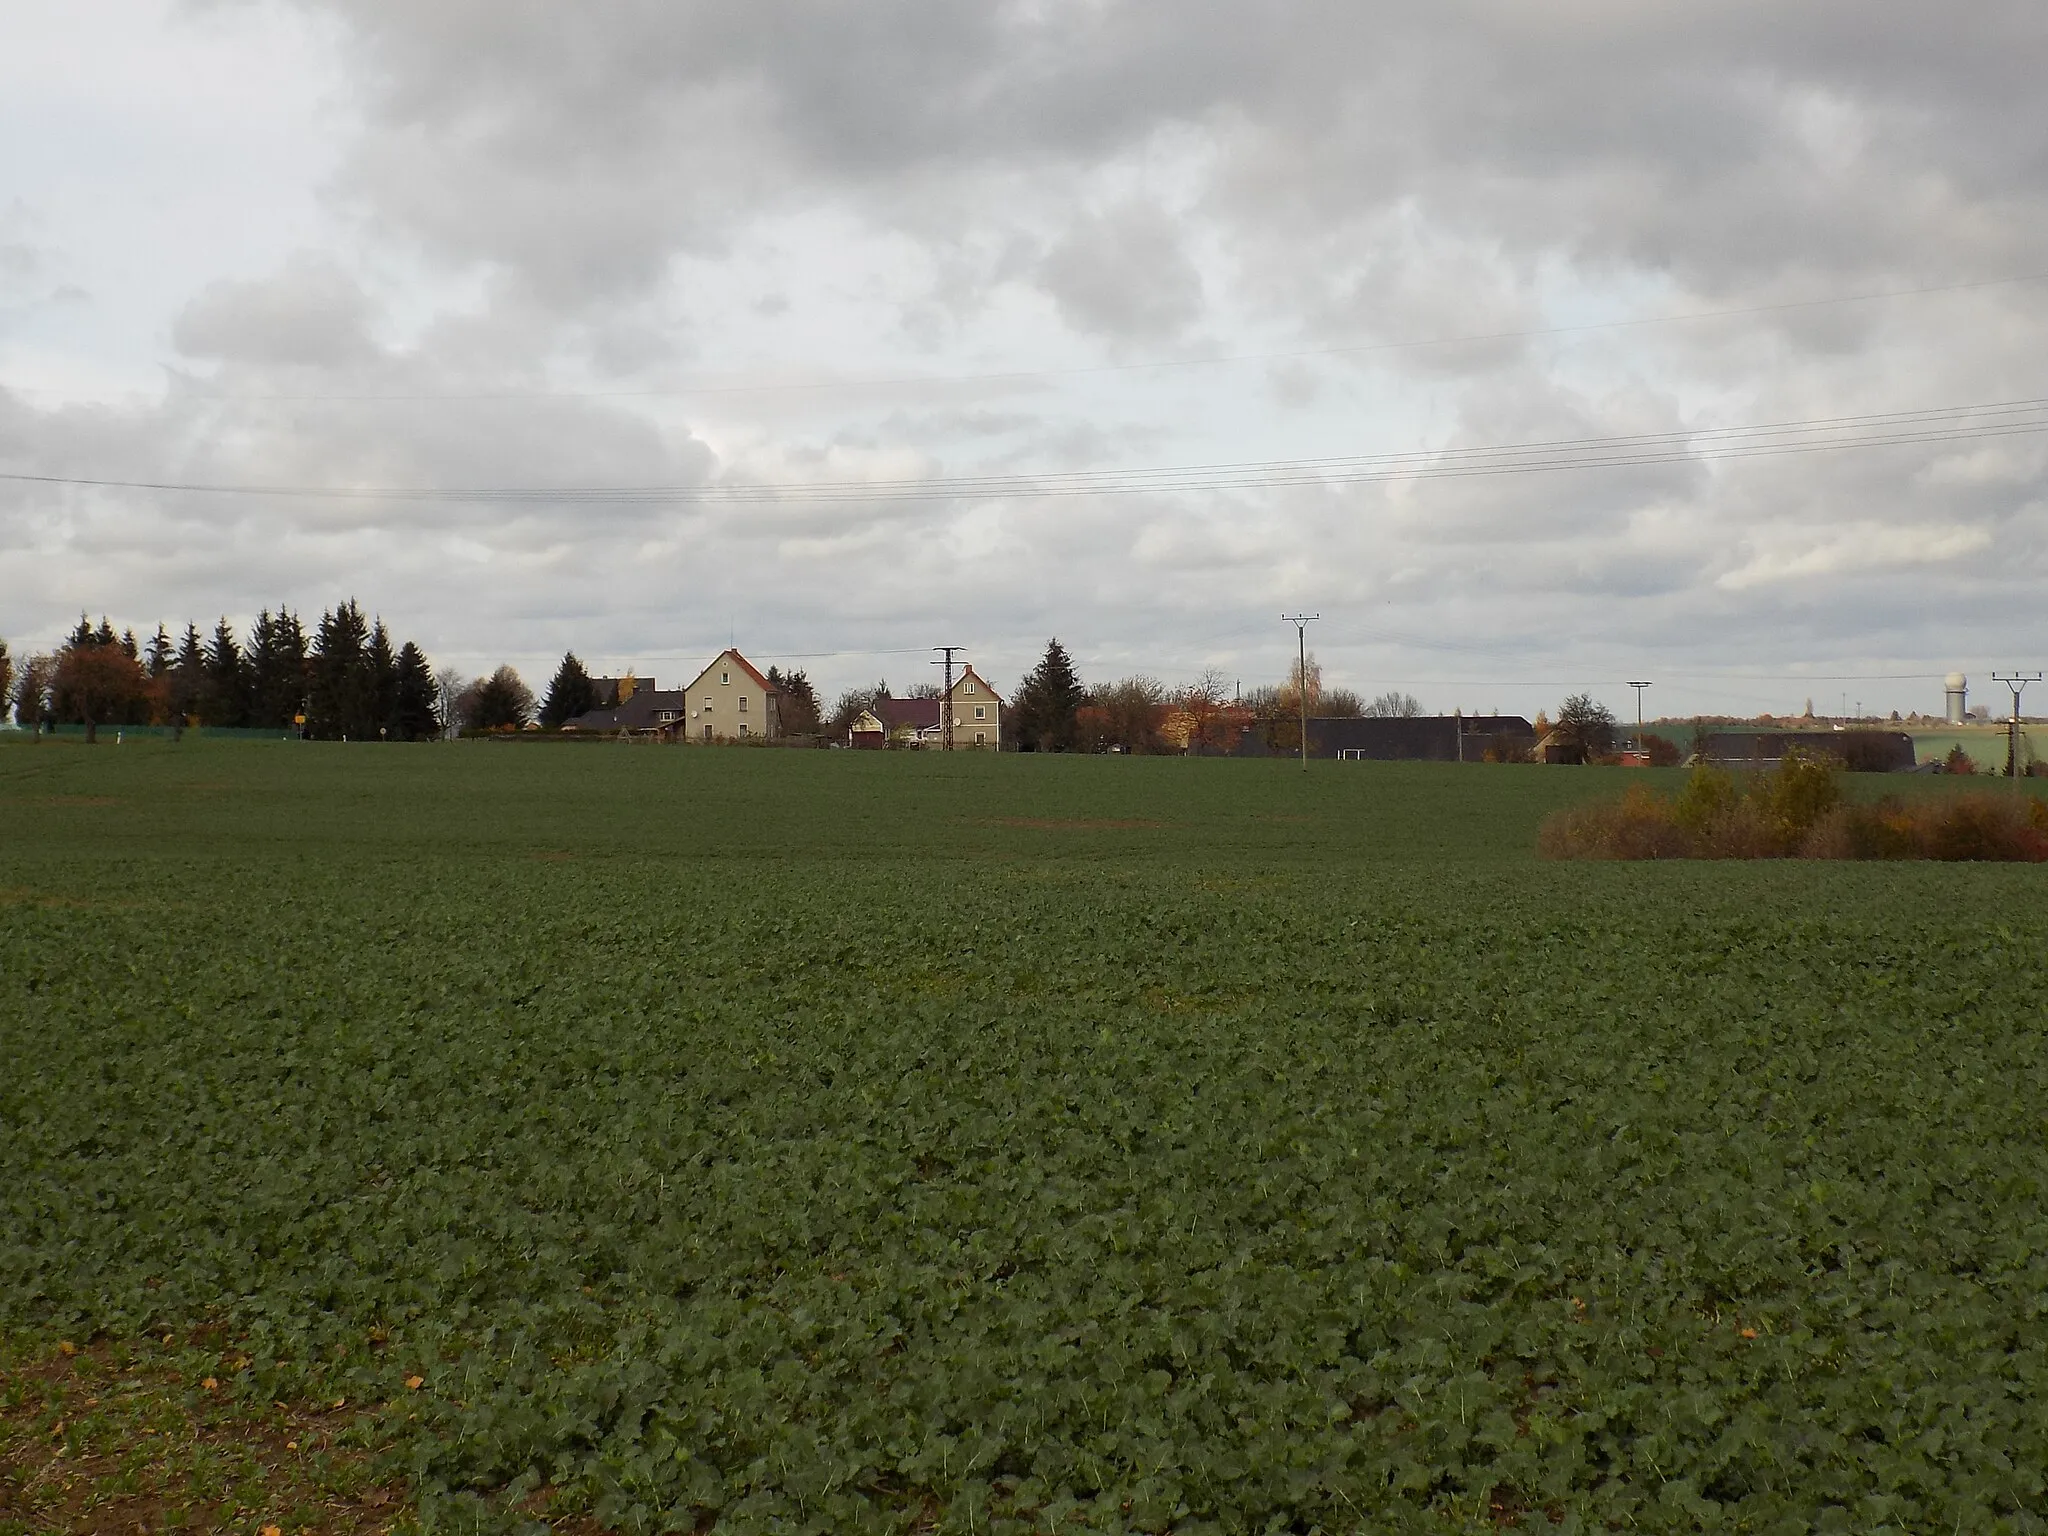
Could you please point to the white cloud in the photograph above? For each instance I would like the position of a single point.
(1847, 551)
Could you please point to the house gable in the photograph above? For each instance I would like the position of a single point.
(730, 700)
(973, 685)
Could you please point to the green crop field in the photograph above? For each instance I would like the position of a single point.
(746, 1141)
(1985, 745)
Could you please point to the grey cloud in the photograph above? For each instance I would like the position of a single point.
(1124, 274)
(1674, 137)
(1337, 172)
(310, 314)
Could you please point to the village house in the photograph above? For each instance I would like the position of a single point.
(730, 701)
(977, 711)
(634, 706)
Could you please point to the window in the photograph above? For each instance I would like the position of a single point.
(981, 711)
(981, 738)
(707, 701)
(707, 733)
(725, 679)
(743, 727)
(743, 705)
(970, 685)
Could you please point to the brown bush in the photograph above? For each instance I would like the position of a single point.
(1748, 831)
(1795, 811)
(1637, 826)
(1997, 827)
(1882, 831)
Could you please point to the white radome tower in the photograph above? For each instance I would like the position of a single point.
(1958, 687)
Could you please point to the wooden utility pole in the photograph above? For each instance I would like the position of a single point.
(946, 698)
(1301, 622)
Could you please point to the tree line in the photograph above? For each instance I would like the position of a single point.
(345, 680)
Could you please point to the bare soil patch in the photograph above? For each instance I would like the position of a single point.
(119, 1438)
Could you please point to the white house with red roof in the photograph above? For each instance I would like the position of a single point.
(730, 700)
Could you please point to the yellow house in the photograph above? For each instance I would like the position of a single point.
(977, 713)
(730, 701)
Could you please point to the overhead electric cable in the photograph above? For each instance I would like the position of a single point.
(1935, 424)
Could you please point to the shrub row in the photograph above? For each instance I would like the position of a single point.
(1795, 811)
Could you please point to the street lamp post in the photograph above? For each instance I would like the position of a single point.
(1639, 687)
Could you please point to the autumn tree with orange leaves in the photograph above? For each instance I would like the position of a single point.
(97, 681)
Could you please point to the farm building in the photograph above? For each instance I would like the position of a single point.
(1417, 738)
(1861, 751)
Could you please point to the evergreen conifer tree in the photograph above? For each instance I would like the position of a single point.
(382, 665)
(800, 714)
(184, 682)
(341, 691)
(1049, 703)
(277, 669)
(137, 710)
(502, 702)
(157, 659)
(416, 719)
(572, 693)
(225, 698)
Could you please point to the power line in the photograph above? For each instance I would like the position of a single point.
(1026, 375)
(1936, 424)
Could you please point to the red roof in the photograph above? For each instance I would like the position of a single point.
(742, 663)
(918, 714)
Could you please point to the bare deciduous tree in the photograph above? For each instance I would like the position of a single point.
(32, 692)
(1203, 704)
(1126, 714)
(1585, 729)
(450, 688)
(1393, 705)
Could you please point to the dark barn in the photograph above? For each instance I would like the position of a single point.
(1859, 751)
(1417, 738)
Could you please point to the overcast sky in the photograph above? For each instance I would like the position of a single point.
(347, 244)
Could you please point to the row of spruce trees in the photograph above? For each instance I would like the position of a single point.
(345, 679)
